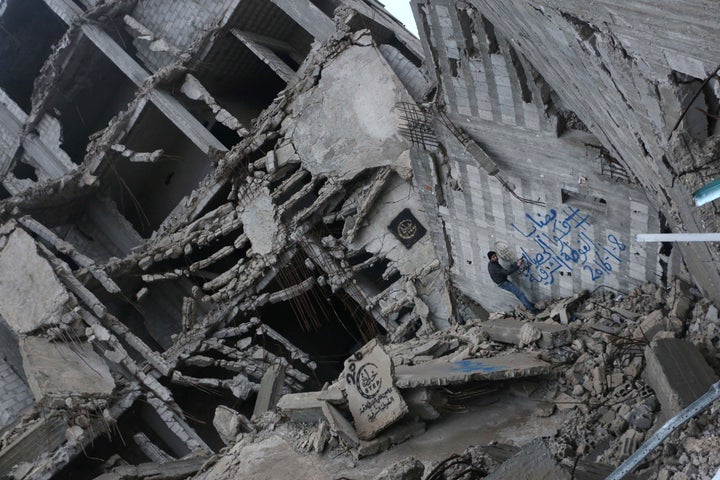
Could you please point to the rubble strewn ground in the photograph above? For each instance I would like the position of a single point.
(597, 387)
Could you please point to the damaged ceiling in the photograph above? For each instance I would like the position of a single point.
(249, 238)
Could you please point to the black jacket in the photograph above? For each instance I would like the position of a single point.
(498, 273)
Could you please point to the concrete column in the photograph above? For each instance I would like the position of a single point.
(266, 55)
(308, 16)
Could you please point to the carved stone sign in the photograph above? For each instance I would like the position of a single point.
(407, 228)
(373, 399)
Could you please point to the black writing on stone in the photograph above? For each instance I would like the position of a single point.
(368, 380)
(378, 404)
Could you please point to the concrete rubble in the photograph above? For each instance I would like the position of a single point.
(604, 383)
(246, 239)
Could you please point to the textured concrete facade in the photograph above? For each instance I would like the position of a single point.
(564, 53)
(578, 233)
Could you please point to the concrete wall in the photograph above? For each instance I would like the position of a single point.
(178, 22)
(494, 94)
(627, 96)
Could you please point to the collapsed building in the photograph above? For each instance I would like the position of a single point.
(209, 207)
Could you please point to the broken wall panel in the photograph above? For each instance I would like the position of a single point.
(229, 69)
(369, 134)
(146, 192)
(33, 297)
(418, 261)
(84, 106)
(58, 370)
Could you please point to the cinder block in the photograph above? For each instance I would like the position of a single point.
(677, 372)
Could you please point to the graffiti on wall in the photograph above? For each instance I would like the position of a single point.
(565, 247)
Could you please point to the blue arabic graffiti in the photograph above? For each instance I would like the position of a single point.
(559, 251)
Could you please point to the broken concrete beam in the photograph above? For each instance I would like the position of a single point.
(295, 353)
(564, 309)
(508, 330)
(230, 423)
(302, 407)
(535, 457)
(64, 247)
(270, 389)
(396, 434)
(374, 401)
(514, 365)
(340, 425)
(333, 394)
(152, 451)
(58, 370)
(171, 427)
(267, 55)
(309, 17)
(677, 372)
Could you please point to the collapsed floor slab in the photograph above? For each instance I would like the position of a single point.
(477, 369)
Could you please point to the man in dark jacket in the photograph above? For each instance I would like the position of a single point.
(499, 275)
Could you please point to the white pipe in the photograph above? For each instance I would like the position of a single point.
(678, 237)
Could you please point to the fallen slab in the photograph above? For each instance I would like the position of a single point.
(58, 370)
(340, 425)
(510, 330)
(33, 295)
(452, 373)
(677, 372)
(161, 471)
(302, 407)
(583, 470)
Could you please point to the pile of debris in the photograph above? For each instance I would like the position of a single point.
(615, 367)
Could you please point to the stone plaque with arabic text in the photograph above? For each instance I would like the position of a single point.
(374, 401)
